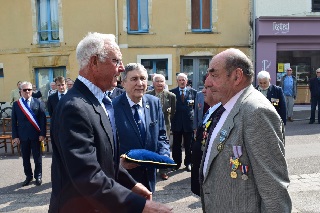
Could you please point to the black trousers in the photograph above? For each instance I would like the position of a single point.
(314, 102)
(26, 148)
(176, 147)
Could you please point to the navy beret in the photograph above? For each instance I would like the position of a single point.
(148, 159)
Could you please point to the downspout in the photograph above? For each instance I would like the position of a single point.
(116, 19)
(254, 38)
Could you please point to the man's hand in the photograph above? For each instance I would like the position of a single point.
(155, 207)
(41, 138)
(16, 140)
(142, 190)
(127, 165)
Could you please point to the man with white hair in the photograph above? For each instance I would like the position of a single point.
(86, 171)
(273, 93)
(168, 104)
(182, 121)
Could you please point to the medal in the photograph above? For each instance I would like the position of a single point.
(244, 177)
(233, 174)
(220, 147)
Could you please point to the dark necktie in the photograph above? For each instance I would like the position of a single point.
(108, 105)
(109, 94)
(138, 120)
(61, 95)
(182, 95)
(215, 119)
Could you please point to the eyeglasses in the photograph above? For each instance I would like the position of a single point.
(289, 70)
(117, 61)
(25, 90)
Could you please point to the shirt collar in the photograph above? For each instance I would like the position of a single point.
(131, 103)
(96, 91)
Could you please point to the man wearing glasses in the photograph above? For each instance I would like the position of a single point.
(28, 128)
(289, 87)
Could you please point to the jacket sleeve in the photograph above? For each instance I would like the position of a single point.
(173, 101)
(49, 105)
(43, 120)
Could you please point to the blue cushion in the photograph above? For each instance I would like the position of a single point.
(148, 159)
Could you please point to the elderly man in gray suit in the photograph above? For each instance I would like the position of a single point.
(243, 168)
(168, 104)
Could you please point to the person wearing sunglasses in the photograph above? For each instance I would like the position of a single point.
(28, 129)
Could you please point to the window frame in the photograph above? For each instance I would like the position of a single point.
(201, 29)
(48, 19)
(139, 30)
(1, 71)
(157, 58)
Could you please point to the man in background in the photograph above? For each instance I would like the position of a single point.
(70, 83)
(54, 98)
(15, 94)
(53, 88)
(168, 104)
(114, 92)
(182, 121)
(28, 129)
(289, 86)
(314, 86)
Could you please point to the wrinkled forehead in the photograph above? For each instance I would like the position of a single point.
(114, 51)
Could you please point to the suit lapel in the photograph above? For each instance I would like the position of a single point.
(128, 112)
(227, 126)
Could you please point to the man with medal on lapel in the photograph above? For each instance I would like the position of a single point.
(243, 168)
(28, 128)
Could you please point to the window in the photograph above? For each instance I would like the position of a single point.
(315, 5)
(44, 76)
(138, 21)
(161, 64)
(1, 70)
(48, 21)
(201, 15)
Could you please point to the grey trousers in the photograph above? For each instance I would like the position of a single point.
(289, 104)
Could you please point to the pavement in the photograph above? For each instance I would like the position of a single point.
(302, 154)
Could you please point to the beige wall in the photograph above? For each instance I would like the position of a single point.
(170, 34)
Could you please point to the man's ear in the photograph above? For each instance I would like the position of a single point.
(238, 76)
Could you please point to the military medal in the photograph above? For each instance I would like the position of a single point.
(244, 170)
(220, 147)
(223, 135)
(233, 174)
(205, 134)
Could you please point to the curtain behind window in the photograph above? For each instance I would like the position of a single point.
(49, 20)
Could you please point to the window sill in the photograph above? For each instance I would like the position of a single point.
(141, 33)
(48, 45)
(203, 32)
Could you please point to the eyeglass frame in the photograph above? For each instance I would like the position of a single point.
(114, 60)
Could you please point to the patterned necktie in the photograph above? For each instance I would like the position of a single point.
(182, 95)
(139, 123)
(108, 105)
(216, 118)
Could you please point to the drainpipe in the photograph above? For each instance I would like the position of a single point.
(116, 19)
(254, 37)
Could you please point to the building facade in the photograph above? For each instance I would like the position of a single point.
(167, 37)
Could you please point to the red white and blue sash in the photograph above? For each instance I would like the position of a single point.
(28, 113)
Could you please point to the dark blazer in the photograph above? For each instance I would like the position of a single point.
(198, 110)
(21, 126)
(169, 101)
(314, 86)
(253, 124)
(275, 92)
(85, 177)
(52, 103)
(116, 92)
(129, 136)
(183, 118)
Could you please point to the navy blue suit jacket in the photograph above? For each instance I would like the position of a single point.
(183, 118)
(277, 93)
(52, 103)
(314, 86)
(21, 126)
(129, 136)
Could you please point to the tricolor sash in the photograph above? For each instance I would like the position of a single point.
(28, 113)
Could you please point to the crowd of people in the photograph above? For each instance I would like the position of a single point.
(95, 119)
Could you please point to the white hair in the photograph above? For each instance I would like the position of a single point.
(156, 75)
(25, 83)
(95, 44)
(263, 75)
(318, 70)
(182, 75)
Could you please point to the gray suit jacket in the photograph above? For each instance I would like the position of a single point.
(169, 101)
(253, 124)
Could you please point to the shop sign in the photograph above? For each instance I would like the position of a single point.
(280, 28)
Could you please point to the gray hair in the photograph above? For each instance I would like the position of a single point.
(25, 83)
(235, 58)
(318, 70)
(263, 75)
(130, 67)
(156, 75)
(95, 44)
(182, 75)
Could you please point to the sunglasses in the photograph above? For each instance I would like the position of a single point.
(25, 90)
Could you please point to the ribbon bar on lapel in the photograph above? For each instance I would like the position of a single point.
(28, 113)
